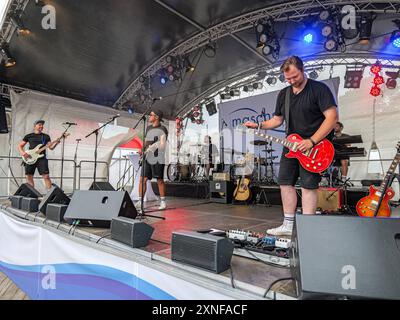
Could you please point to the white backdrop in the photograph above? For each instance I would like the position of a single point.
(30, 106)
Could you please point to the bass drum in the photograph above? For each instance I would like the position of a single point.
(178, 172)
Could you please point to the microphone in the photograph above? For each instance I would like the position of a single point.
(116, 116)
(158, 98)
(70, 123)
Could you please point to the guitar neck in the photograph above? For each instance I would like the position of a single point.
(284, 142)
(389, 173)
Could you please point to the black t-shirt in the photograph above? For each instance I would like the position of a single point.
(209, 152)
(35, 139)
(306, 108)
(153, 134)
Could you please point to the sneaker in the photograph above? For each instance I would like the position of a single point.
(283, 230)
(138, 206)
(163, 205)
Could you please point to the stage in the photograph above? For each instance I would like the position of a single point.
(250, 277)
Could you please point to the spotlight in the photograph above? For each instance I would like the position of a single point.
(375, 91)
(259, 27)
(225, 96)
(282, 78)
(8, 60)
(376, 68)
(17, 22)
(366, 22)
(313, 75)
(169, 59)
(189, 66)
(257, 85)
(210, 50)
(263, 38)
(271, 81)
(163, 80)
(171, 77)
(130, 110)
(234, 93)
(267, 50)
(248, 88)
(170, 68)
(378, 80)
(211, 108)
(352, 79)
(308, 37)
(327, 30)
(331, 44)
(324, 15)
(391, 82)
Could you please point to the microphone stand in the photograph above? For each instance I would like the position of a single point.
(76, 160)
(96, 132)
(62, 154)
(143, 118)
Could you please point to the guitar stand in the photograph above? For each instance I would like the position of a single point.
(260, 196)
(387, 185)
(345, 208)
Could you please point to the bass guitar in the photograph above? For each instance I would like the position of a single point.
(36, 153)
(315, 160)
(367, 206)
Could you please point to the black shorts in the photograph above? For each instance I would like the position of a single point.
(290, 170)
(154, 170)
(41, 164)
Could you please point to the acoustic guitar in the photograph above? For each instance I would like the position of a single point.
(366, 206)
(315, 160)
(242, 191)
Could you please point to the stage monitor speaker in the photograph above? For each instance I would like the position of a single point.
(55, 195)
(16, 202)
(30, 204)
(4, 102)
(202, 250)
(346, 256)
(56, 211)
(131, 232)
(105, 186)
(98, 208)
(26, 190)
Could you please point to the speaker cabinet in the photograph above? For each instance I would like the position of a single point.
(99, 185)
(16, 201)
(131, 232)
(221, 191)
(30, 204)
(56, 211)
(346, 256)
(98, 208)
(26, 190)
(202, 250)
(55, 195)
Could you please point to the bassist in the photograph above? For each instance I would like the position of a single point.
(34, 139)
(312, 115)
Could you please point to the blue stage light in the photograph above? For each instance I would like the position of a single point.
(163, 80)
(308, 37)
(396, 42)
(130, 110)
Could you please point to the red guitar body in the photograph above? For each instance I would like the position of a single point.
(316, 160)
(367, 205)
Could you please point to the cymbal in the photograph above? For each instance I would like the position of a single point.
(259, 142)
(233, 151)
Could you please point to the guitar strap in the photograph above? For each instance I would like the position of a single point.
(287, 108)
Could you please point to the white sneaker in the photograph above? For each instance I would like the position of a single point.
(283, 230)
(163, 205)
(138, 206)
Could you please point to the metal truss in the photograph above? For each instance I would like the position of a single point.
(355, 59)
(8, 28)
(293, 10)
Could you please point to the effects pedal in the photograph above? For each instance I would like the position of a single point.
(283, 243)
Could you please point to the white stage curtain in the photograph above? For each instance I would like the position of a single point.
(30, 106)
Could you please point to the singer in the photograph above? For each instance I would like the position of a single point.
(34, 139)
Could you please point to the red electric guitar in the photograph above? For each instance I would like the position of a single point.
(316, 160)
(366, 206)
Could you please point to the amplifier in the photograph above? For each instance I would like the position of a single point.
(221, 191)
(202, 250)
(330, 199)
(221, 176)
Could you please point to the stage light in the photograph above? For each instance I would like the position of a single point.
(248, 88)
(211, 108)
(169, 59)
(331, 44)
(366, 22)
(267, 50)
(234, 93)
(375, 91)
(189, 66)
(130, 110)
(378, 80)
(259, 27)
(324, 15)
(170, 68)
(171, 77)
(263, 38)
(210, 51)
(313, 75)
(163, 80)
(257, 85)
(391, 82)
(272, 81)
(225, 96)
(376, 68)
(308, 37)
(8, 60)
(282, 78)
(352, 79)
(17, 22)
(327, 30)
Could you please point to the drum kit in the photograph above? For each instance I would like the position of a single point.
(189, 167)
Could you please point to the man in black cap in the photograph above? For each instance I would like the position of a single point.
(34, 139)
(154, 164)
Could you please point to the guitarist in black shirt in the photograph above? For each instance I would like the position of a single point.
(34, 139)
